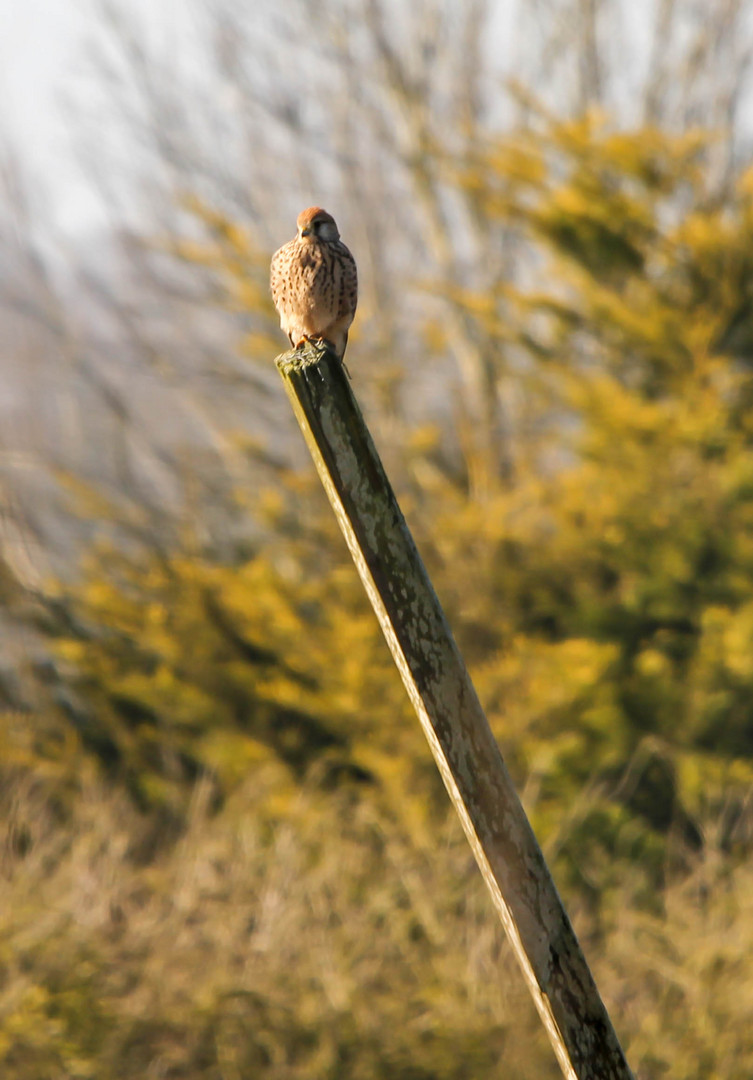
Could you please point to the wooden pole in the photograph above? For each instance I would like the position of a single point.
(453, 721)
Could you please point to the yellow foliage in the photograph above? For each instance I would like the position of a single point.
(601, 589)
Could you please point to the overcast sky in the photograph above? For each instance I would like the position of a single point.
(43, 68)
(40, 41)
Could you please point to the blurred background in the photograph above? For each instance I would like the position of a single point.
(226, 851)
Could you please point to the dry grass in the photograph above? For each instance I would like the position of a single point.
(318, 946)
(325, 942)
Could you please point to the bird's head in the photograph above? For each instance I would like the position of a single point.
(317, 224)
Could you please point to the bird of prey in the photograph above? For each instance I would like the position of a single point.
(315, 284)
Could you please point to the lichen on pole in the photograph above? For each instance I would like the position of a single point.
(450, 713)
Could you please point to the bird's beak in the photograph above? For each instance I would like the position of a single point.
(306, 231)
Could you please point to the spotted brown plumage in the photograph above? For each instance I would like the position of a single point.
(314, 283)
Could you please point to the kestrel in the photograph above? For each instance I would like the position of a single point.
(314, 283)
